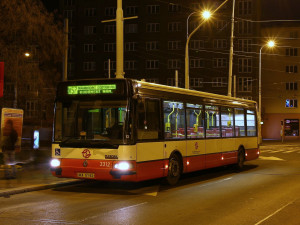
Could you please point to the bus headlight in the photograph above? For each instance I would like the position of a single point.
(123, 166)
(55, 163)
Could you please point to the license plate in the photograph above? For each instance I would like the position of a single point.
(86, 175)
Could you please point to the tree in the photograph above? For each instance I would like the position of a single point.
(26, 26)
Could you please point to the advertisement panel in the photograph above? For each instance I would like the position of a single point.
(11, 128)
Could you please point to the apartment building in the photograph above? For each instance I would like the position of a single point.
(154, 43)
(280, 82)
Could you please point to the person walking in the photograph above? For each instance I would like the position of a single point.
(10, 138)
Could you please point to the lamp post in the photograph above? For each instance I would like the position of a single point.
(187, 24)
(205, 15)
(269, 44)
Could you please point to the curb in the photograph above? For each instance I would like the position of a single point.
(37, 187)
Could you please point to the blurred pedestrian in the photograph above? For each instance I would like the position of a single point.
(10, 138)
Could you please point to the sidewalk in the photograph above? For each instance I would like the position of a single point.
(33, 173)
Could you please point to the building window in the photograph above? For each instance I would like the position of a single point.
(220, 24)
(152, 27)
(244, 27)
(131, 28)
(112, 65)
(88, 30)
(109, 47)
(172, 82)
(196, 44)
(152, 45)
(131, 10)
(71, 67)
(220, 62)
(152, 80)
(196, 82)
(245, 84)
(219, 82)
(174, 45)
(174, 64)
(110, 11)
(174, 8)
(153, 9)
(291, 86)
(110, 29)
(68, 2)
(245, 65)
(291, 69)
(152, 64)
(294, 34)
(31, 110)
(220, 43)
(130, 46)
(245, 45)
(291, 52)
(194, 24)
(130, 65)
(71, 51)
(90, 12)
(197, 63)
(174, 26)
(245, 7)
(89, 48)
(291, 103)
(71, 33)
(196, 6)
(89, 66)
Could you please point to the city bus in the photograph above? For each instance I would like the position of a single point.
(130, 130)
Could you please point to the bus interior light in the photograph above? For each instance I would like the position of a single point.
(55, 163)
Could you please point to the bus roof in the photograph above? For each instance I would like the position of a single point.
(208, 97)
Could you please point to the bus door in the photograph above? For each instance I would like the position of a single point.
(149, 138)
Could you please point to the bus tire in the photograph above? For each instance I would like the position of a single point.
(174, 169)
(240, 159)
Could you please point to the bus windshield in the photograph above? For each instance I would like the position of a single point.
(90, 123)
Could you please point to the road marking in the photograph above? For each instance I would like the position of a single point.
(278, 210)
(150, 191)
(270, 158)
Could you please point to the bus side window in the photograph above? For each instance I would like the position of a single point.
(194, 118)
(227, 122)
(174, 120)
(251, 124)
(239, 122)
(212, 118)
(148, 119)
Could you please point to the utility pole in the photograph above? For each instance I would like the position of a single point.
(119, 38)
(66, 34)
(231, 51)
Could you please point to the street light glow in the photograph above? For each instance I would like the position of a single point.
(206, 14)
(27, 54)
(271, 44)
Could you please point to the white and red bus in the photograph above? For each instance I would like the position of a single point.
(129, 130)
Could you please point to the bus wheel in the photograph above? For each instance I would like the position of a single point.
(175, 168)
(240, 159)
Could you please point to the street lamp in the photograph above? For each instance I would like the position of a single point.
(269, 44)
(205, 15)
(27, 54)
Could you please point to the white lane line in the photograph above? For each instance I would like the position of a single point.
(270, 158)
(278, 210)
(116, 210)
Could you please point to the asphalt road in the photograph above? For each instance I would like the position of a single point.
(267, 191)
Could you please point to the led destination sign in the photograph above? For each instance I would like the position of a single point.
(92, 89)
